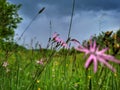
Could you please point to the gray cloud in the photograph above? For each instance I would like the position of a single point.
(86, 21)
(63, 7)
(84, 25)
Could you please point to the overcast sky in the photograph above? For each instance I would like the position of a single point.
(90, 17)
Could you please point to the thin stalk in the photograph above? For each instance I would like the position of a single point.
(48, 44)
(31, 22)
(73, 6)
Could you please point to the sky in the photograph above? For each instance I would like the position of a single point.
(90, 17)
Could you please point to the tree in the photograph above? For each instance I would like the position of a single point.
(9, 19)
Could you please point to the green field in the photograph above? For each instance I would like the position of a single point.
(58, 72)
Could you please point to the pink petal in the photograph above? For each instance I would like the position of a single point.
(95, 63)
(107, 64)
(102, 51)
(55, 35)
(110, 58)
(82, 50)
(57, 39)
(89, 60)
(97, 50)
(61, 41)
(65, 45)
(94, 45)
(91, 44)
(40, 62)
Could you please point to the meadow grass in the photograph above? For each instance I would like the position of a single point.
(59, 72)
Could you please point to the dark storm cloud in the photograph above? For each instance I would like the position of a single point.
(85, 4)
(86, 22)
(29, 7)
(98, 4)
(63, 7)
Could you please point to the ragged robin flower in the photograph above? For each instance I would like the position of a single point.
(41, 61)
(58, 40)
(96, 55)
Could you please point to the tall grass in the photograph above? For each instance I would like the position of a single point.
(59, 72)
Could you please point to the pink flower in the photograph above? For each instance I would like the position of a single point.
(5, 64)
(55, 35)
(58, 40)
(96, 55)
(41, 61)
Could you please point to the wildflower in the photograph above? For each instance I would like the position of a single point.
(96, 55)
(39, 89)
(41, 61)
(89, 77)
(5, 64)
(37, 81)
(55, 35)
(58, 40)
(115, 74)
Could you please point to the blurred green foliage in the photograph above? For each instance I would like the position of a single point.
(9, 18)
